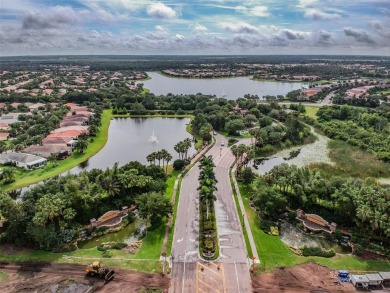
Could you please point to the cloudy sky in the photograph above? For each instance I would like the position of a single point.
(40, 27)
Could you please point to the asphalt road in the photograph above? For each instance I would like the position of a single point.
(185, 240)
(233, 253)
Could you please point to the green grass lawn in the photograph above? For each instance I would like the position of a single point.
(311, 111)
(24, 178)
(352, 162)
(274, 253)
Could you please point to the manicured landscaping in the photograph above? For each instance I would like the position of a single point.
(208, 237)
(274, 253)
(25, 178)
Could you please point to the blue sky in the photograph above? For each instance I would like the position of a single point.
(40, 27)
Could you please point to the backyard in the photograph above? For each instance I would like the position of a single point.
(25, 178)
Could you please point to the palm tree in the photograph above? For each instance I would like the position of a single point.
(150, 158)
(187, 145)
(168, 158)
(9, 174)
(81, 145)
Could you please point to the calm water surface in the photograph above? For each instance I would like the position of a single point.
(128, 141)
(231, 88)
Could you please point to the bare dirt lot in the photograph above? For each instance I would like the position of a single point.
(71, 278)
(309, 277)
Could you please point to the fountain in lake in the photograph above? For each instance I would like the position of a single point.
(153, 138)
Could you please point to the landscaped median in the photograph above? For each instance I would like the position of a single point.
(26, 178)
(208, 236)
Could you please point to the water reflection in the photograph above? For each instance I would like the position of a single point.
(231, 88)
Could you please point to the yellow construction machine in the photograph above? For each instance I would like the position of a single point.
(95, 269)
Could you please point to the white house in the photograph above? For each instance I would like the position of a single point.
(386, 277)
(26, 161)
(360, 281)
(375, 279)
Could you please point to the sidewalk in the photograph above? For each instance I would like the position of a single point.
(246, 221)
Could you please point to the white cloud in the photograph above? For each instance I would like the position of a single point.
(200, 28)
(239, 27)
(261, 11)
(160, 10)
(317, 14)
(305, 3)
(179, 38)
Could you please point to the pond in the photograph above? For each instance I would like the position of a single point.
(129, 140)
(129, 235)
(296, 238)
(230, 88)
(316, 152)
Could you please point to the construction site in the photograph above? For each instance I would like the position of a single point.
(73, 278)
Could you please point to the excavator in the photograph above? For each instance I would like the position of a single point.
(95, 269)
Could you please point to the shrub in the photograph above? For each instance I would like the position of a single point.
(107, 254)
(317, 251)
(101, 229)
(232, 141)
(291, 216)
(208, 225)
(376, 247)
(358, 249)
(118, 245)
(208, 245)
(265, 225)
(178, 164)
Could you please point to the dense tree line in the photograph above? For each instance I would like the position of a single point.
(348, 202)
(365, 128)
(50, 214)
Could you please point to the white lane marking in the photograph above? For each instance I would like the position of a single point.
(192, 240)
(238, 284)
(180, 240)
(184, 271)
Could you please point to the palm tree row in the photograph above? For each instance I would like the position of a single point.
(207, 224)
(207, 182)
(182, 148)
(162, 155)
(243, 155)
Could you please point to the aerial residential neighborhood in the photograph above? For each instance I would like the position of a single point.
(194, 146)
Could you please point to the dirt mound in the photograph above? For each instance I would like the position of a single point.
(309, 277)
(69, 278)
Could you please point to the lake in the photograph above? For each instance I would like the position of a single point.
(231, 88)
(128, 140)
